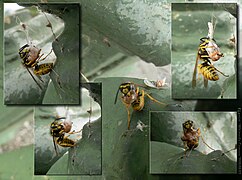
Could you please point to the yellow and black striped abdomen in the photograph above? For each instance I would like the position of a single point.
(208, 71)
(43, 69)
(64, 141)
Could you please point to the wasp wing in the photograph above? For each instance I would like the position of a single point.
(194, 77)
(205, 82)
(55, 146)
(35, 79)
(116, 97)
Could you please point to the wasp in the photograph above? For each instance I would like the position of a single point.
(31, 56)
(133, 97)
(58, 129)
(191, 135)
(208, 51)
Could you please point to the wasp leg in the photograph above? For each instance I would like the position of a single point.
(128, 111)
(207, 144)
(153, 99)
(75, 132)
(186, 148)
(220, 72)
(235, 147)
(45, 56)
(190, 150)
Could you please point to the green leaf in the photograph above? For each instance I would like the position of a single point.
(67, 50)
(12, 119)
(173, 160)
(19, 164)
(150, 42)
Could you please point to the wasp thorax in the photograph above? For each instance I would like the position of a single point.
(130, 97)
(34, 53)
(190, 135)
(213, 51)
(67, 126)
(188, 124)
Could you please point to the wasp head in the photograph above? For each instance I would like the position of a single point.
(127, 89)
(188, 125)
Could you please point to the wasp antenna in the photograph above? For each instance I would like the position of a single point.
(207, 144)
(116, 97)
(58, 118)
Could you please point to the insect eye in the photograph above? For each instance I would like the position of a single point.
(187, 126)
(125, 90)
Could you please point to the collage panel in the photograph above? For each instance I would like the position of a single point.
(127, 43)
(125, 120)
(68, 139)
(191, 142)
(42, 54)
(204, 51)
(126, 105)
